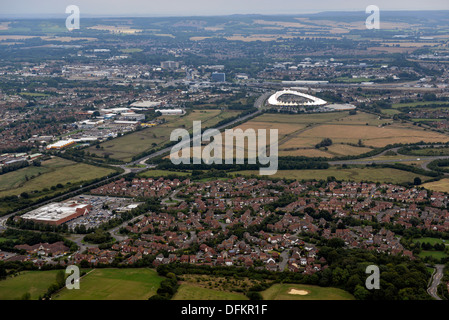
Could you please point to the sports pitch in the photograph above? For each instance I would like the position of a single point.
(287, 291)
(114, 284)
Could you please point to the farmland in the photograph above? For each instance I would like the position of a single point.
(308, 292)
(440, 185)
(350, 134)
(114, 284)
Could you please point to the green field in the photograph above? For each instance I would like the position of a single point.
(432, 241)
(417, 104)
(114, 284)
(190, 292)
(281, 292)
(124, 148)
(50, 173)
(162, 173)
(390, 112)
(433, 254)
(388, 175)
(35, 283)
(33, 94)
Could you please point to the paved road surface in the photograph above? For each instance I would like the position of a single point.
(436, 278)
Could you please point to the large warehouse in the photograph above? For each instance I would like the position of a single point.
(58, 213)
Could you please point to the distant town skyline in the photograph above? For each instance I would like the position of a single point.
(204, 7)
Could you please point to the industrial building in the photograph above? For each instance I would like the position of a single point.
(60, 144)
(58, 213)
(170, 111)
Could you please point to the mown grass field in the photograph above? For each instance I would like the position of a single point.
(432, 241)
(50, 173)
(124, 148)
(35, 283)
(387, 175)
(281, 292)
(188, 291)
(433, 254)
(114, 284)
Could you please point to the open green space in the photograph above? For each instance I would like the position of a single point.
(418, 104)
(35, 283)
(114, 284)
(433, 254)
(188, 291)
(284, 292)
(387, 175)
(432, 241)
(162, 173)
(50, 173)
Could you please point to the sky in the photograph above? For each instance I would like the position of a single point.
(207, 7)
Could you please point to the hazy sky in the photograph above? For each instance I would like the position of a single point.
(208, 7)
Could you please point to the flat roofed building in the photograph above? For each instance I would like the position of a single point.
(58, 213)
(170, 111)
(60, 144)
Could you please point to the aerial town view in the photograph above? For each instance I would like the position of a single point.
(193, 150)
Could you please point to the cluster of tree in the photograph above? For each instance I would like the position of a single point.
(326, 142)
(98, 237)
(14, 166)
(25, 224)
(15, 236)
(167, 289)
(284, 163)
(56, 286)
(429, 246)
(439, 165)
(8, 268)
(404, 167)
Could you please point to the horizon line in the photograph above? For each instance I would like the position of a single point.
(163, 15)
